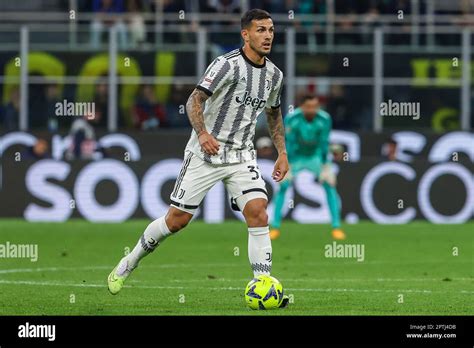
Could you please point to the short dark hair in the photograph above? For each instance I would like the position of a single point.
(307, 96)
(392, 141)
(254, 14)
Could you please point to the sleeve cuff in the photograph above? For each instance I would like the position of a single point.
(205, 90)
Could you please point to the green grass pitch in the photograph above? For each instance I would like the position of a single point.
(407, 270)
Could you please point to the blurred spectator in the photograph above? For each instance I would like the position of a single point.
(101, 104)
(175, 107)
(266, 5)
(346, 25)
(337, 152)
(370, 21)
(309, 7)
(11, 113)
(389, 150)
(467, 11)
(467, 7)
(225, 6)
(306, 33)
(223, 41)
(84, 144)
(338, 107)
(107, 14)
(39, 150)
(264, 147)
(393, 8)
(172, 9)
(147, 113)
(136, 23)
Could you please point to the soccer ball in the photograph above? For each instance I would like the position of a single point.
(264, 292)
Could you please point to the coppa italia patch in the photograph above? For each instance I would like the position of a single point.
(208, 80)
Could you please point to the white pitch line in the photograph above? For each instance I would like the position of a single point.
(58, 269)
(233, 264)
(327, 280)
(27, 282)
(51, 269)
(83, 285)
(86, 285)
(96, 268)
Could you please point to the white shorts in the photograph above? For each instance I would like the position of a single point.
(243, 182)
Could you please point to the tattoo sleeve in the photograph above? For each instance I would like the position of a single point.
(195, 108)
(276, 128)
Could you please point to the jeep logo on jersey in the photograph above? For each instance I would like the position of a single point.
(256, 103)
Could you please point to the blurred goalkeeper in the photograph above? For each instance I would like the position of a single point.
(307, 140)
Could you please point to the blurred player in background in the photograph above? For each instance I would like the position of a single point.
(307, 139)
(223, 110)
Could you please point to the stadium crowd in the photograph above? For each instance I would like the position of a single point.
(147, 113)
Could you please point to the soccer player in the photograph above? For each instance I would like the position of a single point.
(307, 137)
(223, 111)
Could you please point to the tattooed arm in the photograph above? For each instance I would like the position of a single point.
(195, 109)
(276, 128)
(277, 133)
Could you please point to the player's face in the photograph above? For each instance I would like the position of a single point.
(260, 36)
(309, 108)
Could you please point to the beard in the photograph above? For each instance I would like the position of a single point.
(259, 51)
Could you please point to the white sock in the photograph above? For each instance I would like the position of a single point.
(260, 250)
(154, 234)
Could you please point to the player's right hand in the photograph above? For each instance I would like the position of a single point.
(281, 167)
(208, 143)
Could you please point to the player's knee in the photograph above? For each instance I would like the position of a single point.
(256, 213)
(176, 224)
(262, 218)
(177, 220)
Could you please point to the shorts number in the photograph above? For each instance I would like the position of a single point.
(252, 170)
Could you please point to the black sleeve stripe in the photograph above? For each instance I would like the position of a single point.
(204, 89)
(280, 90)
(185, 206)
(255, 190)
(276, 107)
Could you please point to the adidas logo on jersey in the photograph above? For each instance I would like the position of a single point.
(256, 103)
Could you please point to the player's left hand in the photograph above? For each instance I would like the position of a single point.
(281, 167)
(328, 175)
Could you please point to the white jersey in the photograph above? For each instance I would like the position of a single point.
(239, 91)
